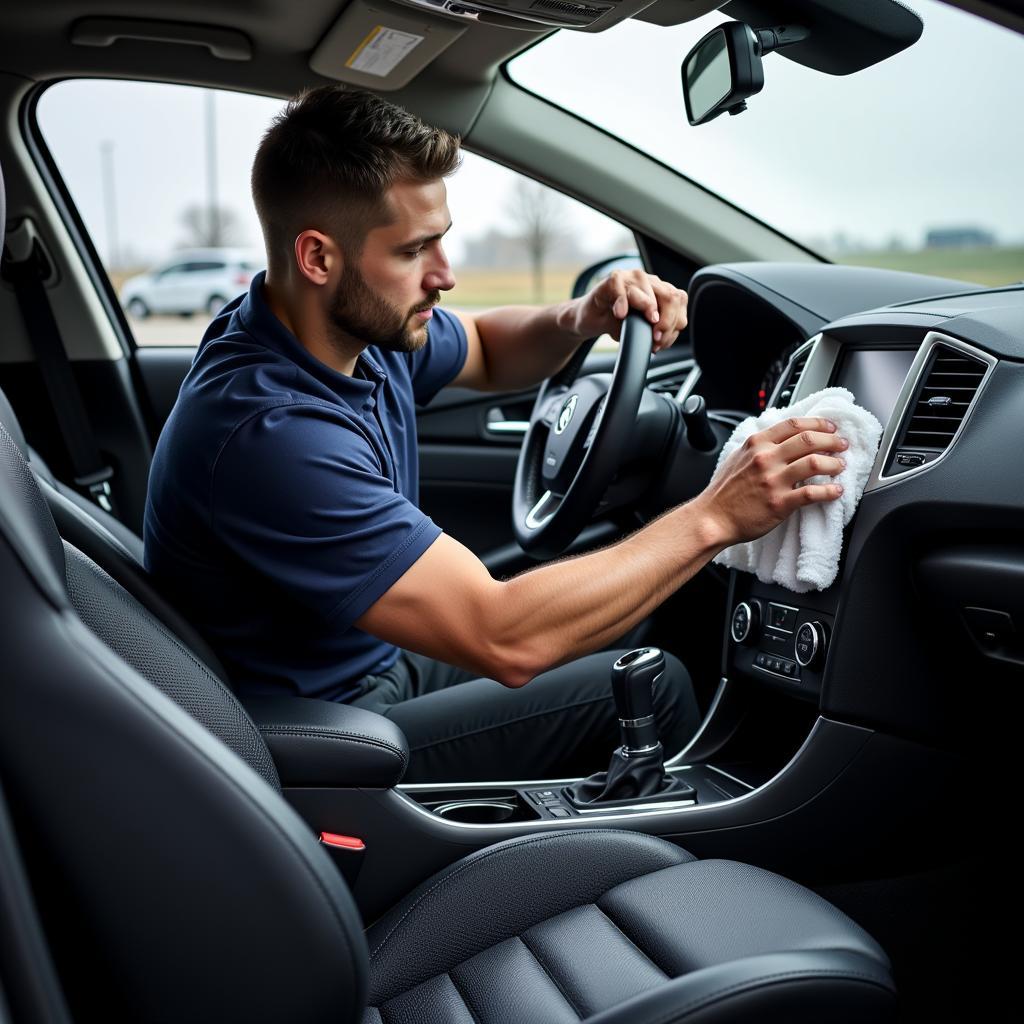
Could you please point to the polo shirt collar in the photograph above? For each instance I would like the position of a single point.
(259, 322)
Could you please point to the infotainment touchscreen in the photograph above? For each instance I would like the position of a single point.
(875, 376)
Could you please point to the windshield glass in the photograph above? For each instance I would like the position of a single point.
(914, 163)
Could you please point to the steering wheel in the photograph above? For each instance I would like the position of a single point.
(579, 431)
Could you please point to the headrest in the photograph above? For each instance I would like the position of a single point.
(9, 419)
(26, 523)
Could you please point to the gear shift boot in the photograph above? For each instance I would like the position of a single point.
(630, 779)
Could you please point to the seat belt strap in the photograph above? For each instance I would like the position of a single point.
(92, 474)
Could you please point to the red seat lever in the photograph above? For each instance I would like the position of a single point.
(342, 842)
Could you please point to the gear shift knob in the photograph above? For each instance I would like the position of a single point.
(633, 677)
(636, 774)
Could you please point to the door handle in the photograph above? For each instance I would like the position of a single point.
(497, 424)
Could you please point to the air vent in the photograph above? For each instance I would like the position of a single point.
(791, 378)
(580, 12)
(943, 401)
(668, 379)
(940, 405)
(668, 385)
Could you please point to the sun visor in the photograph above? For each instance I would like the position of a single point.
(380, 46)
(844, 36)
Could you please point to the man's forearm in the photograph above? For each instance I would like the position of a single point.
(522, 345)
(560, 611)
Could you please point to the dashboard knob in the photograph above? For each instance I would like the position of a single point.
(745, 621)
(810, 644)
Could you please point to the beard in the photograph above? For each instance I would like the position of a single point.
(359, 312)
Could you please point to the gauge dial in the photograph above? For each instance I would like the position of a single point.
(772, 375)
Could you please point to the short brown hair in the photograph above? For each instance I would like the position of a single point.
(328, 159)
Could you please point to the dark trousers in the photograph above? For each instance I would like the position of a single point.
(561, 724)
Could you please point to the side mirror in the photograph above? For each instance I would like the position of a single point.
(724, 69)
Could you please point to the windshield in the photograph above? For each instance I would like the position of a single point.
(914, 163)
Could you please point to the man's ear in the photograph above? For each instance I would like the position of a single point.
(316, 256)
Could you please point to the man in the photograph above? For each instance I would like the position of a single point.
(282, 505)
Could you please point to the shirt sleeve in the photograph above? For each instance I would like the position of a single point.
(439, 361)
(298, 493)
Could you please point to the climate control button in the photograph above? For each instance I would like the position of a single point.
(746, 617)
(809, 644)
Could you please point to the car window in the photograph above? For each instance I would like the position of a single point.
(169, 171)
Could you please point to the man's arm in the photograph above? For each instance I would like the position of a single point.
(449, 607)
(515, 347)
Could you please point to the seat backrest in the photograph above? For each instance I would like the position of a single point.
(173, 882)
(109, 543)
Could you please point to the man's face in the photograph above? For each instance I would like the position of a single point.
(386, 297)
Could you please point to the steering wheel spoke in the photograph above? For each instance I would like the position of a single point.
(551, 406)
(546, 507)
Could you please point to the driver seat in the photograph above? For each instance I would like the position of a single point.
(174, 883)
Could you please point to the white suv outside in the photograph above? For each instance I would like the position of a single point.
(193, 281)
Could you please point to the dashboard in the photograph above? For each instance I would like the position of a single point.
(930, 591)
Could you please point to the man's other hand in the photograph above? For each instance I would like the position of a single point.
(604, 307)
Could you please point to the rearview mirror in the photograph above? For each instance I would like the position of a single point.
(724, 69)
(721, 72)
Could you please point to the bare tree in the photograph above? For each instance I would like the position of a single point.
(539, 214)
(211, 227)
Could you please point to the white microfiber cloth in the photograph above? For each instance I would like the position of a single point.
(802, 552)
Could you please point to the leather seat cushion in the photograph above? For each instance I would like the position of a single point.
(571, 925)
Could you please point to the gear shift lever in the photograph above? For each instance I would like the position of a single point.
(636, 773)
(633, 677)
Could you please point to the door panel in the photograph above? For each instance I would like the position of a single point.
(162, 370)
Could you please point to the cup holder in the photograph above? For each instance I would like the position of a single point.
(476, 812)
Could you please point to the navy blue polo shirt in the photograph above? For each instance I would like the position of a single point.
(283, 497)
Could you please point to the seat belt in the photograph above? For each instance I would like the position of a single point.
(26, 266)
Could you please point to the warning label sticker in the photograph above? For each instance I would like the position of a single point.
(382, 51)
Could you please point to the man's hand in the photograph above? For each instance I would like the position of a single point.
(604, 307)
(757, 487)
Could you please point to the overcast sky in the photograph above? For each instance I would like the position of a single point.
(931, 137)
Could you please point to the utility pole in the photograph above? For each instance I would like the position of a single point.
(211, 167)
(110, 203)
